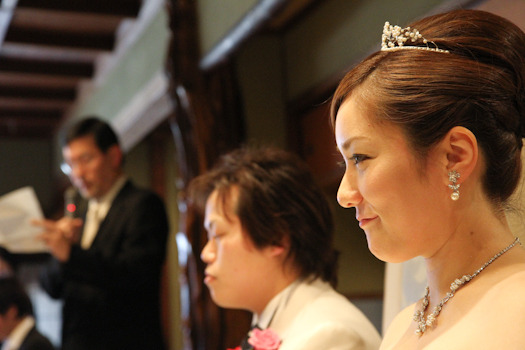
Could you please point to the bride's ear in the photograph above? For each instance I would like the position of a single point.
(461, 150)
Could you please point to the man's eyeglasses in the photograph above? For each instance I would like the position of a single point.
(82, 161)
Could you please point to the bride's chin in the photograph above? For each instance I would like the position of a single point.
(383, 253)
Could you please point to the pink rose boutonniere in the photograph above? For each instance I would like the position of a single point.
(265, 339)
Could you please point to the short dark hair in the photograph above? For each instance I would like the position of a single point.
(102, 133)
(12, 293)
(277, 198)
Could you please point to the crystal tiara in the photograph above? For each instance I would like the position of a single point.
(395, 37)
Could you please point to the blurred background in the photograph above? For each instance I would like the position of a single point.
(182, 82)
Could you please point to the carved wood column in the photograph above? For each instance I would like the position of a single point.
(207, 122)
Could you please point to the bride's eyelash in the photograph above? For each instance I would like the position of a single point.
(358, 158)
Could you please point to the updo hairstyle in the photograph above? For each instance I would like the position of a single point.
(478, 85)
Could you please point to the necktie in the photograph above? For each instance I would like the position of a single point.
(244, 344)
(93, 219)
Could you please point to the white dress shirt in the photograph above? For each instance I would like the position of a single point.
(97, 211)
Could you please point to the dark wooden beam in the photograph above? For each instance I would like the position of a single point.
(53, 115)
(31, 104)
(81, 70)
(103, 42)
(61, 28)
(127, 8)
(62, 21)
(25, 92)
(15, 79)
(47, 53)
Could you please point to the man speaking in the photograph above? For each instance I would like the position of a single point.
(107, 263)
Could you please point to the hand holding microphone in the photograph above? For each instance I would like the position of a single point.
(61, 234)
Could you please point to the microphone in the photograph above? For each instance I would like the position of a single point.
(71, 202)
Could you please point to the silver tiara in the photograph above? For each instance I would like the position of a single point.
(395, 37)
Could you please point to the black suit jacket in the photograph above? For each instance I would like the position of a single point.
(36, 341)
(111, 291)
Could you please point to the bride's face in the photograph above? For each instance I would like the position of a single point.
(397, 200)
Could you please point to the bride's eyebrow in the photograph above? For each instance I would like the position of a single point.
(348, 142)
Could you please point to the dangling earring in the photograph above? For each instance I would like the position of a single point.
(453, 177)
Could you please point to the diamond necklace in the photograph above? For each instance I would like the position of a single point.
(419, 315)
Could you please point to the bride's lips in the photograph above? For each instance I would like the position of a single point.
(364, 221)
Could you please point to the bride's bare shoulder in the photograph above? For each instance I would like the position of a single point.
(511, 286)
(504, 301)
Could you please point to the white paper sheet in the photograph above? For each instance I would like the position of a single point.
(17, 209)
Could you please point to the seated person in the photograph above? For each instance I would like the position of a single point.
(17, 325)
(270, 251)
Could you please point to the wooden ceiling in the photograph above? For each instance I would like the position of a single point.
(46, 48)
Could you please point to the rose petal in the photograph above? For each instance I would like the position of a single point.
(265, 339)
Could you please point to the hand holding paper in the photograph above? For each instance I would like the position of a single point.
(59, 235)
(17, 210)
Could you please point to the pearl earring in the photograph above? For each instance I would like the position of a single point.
(453, 177)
